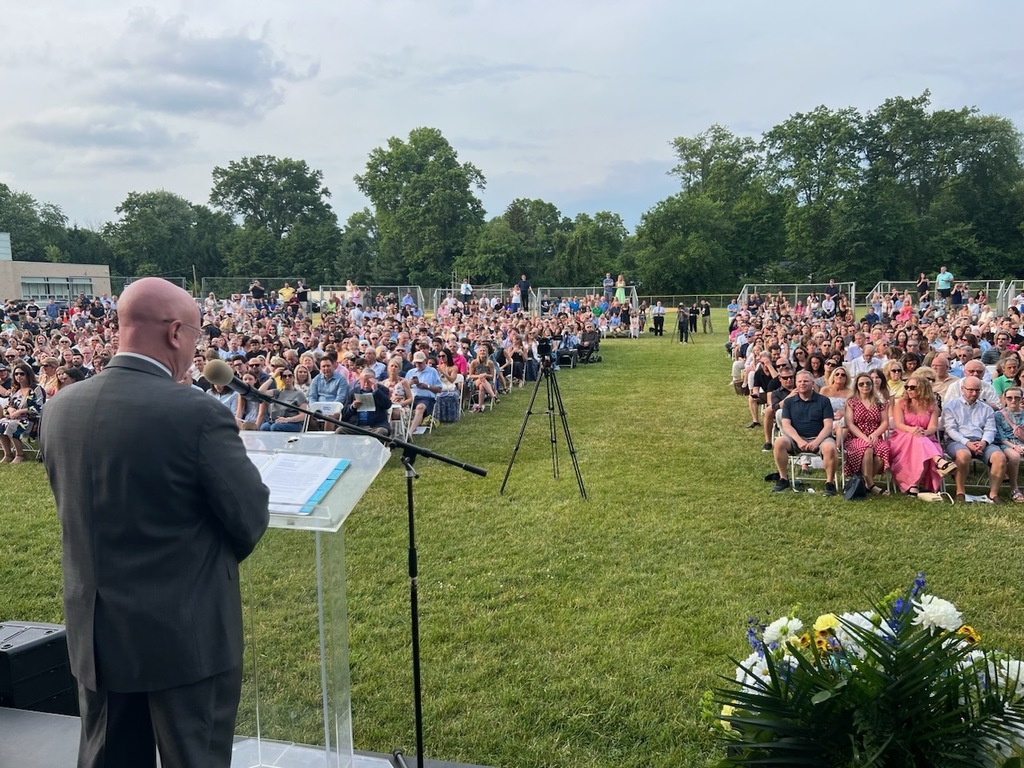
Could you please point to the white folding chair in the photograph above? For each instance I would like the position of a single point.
(330, 408)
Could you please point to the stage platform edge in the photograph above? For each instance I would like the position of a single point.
(41, 740)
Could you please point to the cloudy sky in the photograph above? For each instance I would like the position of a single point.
(572, 101)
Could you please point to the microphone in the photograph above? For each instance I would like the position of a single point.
(218, 372)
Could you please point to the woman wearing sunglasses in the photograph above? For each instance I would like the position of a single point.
(917, 460)
(867, 420)
(22, 411)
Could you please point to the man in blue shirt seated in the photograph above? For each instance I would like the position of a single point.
(806, 428)
(330, 386)
(373, 412)
(426, 385)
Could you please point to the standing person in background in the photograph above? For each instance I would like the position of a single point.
(923, 286)
(683, 323)
(152, 538)
(302, 295)
(620, 289)
(524, 292)
(608, 285)
(285, 293)
(944, 283)
(466, 291)
(693, 313)
(705, 316)
(658, 318)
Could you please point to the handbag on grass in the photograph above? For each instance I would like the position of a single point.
(855, 490)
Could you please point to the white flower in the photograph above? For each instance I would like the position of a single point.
(934, 613)
(1010, 674)
(782, 629)
(753, 672)
(865, 621)
(974, 660)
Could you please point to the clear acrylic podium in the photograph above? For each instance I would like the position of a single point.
(282, 734)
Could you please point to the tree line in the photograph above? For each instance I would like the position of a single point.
(827, 193)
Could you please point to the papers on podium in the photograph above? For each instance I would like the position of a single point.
(297, 482)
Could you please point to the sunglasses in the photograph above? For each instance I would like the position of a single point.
(1013, 397)
(896, 370)
(910, 387)
(864, 384)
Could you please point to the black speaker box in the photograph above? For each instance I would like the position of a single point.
(34, 670)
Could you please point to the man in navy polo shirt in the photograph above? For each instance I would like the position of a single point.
(806, 428)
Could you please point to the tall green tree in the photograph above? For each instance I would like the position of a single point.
(592, 247)
(424, 204)
(271, 193)
(359, 254)
(727, 171)
(162, 233)
(717, 163)
(84, 246)
(311, 251)
(680, 246)
(495, 254)
(32, 225)
(545, 234)
(815, 159)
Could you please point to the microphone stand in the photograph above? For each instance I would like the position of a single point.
(409, 454)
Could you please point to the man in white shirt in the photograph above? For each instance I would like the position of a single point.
(971, 433)
(866, 362)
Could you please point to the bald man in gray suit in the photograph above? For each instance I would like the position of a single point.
(158, 504)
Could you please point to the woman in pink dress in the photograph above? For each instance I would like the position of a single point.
(917, 460)
(865, 450)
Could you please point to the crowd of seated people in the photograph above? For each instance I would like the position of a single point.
(921, 387)
(351, 349)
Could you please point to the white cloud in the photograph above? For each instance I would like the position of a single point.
(573, 101)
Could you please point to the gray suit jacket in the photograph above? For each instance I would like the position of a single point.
(158, 504)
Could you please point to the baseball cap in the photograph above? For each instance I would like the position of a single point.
(419, 357)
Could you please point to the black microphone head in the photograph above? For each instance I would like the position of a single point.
(218, 372)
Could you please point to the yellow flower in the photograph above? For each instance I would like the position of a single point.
(970, 634)
(826, 621)
(801, 642)
(727, 711)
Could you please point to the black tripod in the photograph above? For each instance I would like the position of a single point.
(547, 374)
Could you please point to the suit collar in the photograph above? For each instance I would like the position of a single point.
(136, 362)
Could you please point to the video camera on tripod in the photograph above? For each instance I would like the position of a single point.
(544, 350)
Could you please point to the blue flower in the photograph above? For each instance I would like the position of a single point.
(918, 585)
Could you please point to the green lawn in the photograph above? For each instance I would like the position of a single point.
(562, 632)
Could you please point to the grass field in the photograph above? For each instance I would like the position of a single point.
(563, 632)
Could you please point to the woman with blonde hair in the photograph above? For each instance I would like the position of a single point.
(838, 391)
(303, 380)
(893, 371)
(917, 460)
(48, 376)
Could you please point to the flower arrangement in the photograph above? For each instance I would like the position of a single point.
(904, 684)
